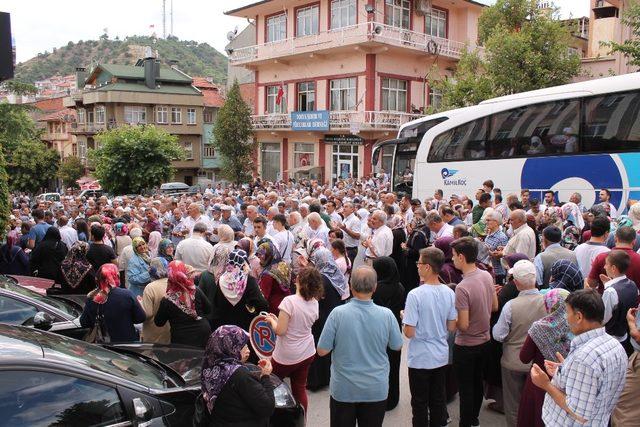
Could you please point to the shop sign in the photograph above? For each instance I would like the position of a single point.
(343, 140)
(310, 120)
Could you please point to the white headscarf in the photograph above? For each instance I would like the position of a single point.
(571, 211)
(634, 214)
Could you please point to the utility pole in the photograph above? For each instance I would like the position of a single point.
(171, 17)
(164, 19)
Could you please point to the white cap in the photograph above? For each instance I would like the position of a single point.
(523, 269)
(226, 208)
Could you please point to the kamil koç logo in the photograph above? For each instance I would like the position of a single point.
(447, 175)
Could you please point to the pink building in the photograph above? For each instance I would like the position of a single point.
(333, 77)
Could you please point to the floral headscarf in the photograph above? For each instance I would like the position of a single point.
(162, 249)
(154, 243)
(222, 357)
(75, 266)
(312, 245)
(418, 222)
(551, 334)
(396, 222)
(233, 280)
(121, 229)
(180, 288)
(570, 237)
(137, 243)
(272, 264)
(323, 261)
(158, 268)
(572, 213)
(107, 277)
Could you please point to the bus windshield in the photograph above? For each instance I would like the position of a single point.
(404, 166)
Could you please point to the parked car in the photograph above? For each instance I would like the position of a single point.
(20, 305)
(91, 193)
(48, 197)
(174, 187)
(49, 379)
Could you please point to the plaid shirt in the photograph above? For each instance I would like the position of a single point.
(592, 376)
(492, 241)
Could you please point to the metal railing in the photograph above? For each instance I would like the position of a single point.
(364, 120)
(354, 34)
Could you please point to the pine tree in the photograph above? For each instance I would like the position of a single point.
(234, 137)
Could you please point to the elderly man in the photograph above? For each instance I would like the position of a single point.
(351, 227)
(511, 330)
(195, 216)
(230, 219)
(316, 228)
(437, 226)
(552, 252)
(252, 214)
(378, 240)
(523, 240)
(195, 251)
(359, 363)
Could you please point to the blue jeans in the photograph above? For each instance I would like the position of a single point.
(136, 289)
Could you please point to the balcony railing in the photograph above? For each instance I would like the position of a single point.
(366, 32)
(92, 127)
(340, 120)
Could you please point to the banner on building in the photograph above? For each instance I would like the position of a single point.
(310, 120)
(343, 140)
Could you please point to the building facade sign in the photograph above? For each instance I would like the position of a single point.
(343, 140)
(310, 120)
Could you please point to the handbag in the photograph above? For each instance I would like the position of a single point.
(98, 333)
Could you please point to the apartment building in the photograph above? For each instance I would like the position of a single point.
(333, 77)
(213, 101)
(57, 133)
(112, 95)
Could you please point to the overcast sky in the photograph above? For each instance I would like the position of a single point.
(39, 25)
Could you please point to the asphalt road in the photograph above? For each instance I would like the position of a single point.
(318, 415)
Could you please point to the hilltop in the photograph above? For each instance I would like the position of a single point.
(195, 59)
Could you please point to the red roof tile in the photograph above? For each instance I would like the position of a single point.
(49, 105)
(66, 114)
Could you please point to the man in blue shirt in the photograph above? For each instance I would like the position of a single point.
(359, 333)
(37, 232)
(429, 315)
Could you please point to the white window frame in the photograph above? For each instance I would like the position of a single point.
(303, 89)
(344, 91)
(191, 116)
(308, 21)
(100, 114)
(272, 96)
(344, 13)
(81, 116)
(162, 115)
(303, 149)
(176, 115)
(395, 93)
(135, 114)
(397, 13)
(90, 117)
(435, 23)
(276, 28)
(209, 151)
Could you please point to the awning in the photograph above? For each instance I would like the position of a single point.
(305, 169)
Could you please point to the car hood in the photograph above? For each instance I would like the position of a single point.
(186, 361)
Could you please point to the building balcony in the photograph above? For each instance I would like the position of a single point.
(341, 120)
(366, 35)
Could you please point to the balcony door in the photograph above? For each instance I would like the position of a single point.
(270, 163)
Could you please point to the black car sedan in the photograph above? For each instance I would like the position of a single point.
(53, 380)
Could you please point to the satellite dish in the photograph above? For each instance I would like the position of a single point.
(232, 34)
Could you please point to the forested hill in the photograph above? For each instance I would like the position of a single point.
(195, 59)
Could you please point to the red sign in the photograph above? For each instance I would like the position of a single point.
(262, 336)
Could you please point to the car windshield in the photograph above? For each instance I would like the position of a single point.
(12, 285)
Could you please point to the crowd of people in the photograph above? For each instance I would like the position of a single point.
(530, 304)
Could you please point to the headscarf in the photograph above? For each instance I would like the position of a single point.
(363, 214)
(515, 257)
(312, 245)
(225, 233)
(222, 357)
(180, 288)
(158, 268)
(52, 235)
(246, 245)
(323, 260)
(233, 280)
(75, 266)
(554, 214)
(107, 277)
(444, 244)
(634, 214)
(566, 275)
(162, 249)
(121, 229)
(479, 229)
(418, 222)
(551, 334)
(572, 213)
(621, 221)
(570, 237)
(396, 222)
(154, 243)
(136, 243)
(272, 264)
(389, 286)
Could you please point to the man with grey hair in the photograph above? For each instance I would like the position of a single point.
(195, 251)
(359, 333)
(378, 239)
(195, 216)
(351, 227)
(252, 214)
(437, 226)
(523, 239)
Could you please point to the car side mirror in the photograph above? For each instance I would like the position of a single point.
(43, 321)
(142, 410)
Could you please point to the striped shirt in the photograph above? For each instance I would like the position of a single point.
(592, 377)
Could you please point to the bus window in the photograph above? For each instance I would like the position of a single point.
(404, 167)
(464, 142)
(612, 123)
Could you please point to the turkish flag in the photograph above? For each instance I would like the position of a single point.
(280, 95)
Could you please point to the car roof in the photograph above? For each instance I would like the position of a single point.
(19, 343)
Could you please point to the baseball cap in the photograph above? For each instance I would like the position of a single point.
(523, 269)
(225, 208)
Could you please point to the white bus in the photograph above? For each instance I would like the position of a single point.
(580, 137)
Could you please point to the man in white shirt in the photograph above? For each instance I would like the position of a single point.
(588, 251)
(331, 211)
(252, 214)
(605, 200)
(195, 217)
(68, 234)
(316, 228)
(260, 229)
(437, 226)
(351, 227)
(271, 213)
(283, 238)
(195, 250)
(523, 240)
(379, 239)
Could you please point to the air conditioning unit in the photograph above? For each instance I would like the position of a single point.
(422, 7)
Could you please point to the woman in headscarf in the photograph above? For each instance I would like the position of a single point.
(570, 237)
(122, 241)
(154, 242)
(566, 275)
(13, 259)
(275, 279)
(138, 267)
(235, 297)
(247, 245)
(166, 249)
(231, 394)
(119, 307)
(47, 257)
(336, 290)
(83, 229)
(391, 294)
(546, 337)
(184, 307)
(448, 274)
(77, 275)
(397, 225)
(621, 221)
(152, 296)
(419, 235)
(221, 250)
(634, 215)
(127, 254)
(552, 216)
(572, 215)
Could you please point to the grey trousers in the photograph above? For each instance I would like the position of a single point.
(512, 385)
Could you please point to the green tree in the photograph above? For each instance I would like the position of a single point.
(233, 137)
(470, 87)
(132, 159)
(32, 166)
(71, 170)
(630, 48)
